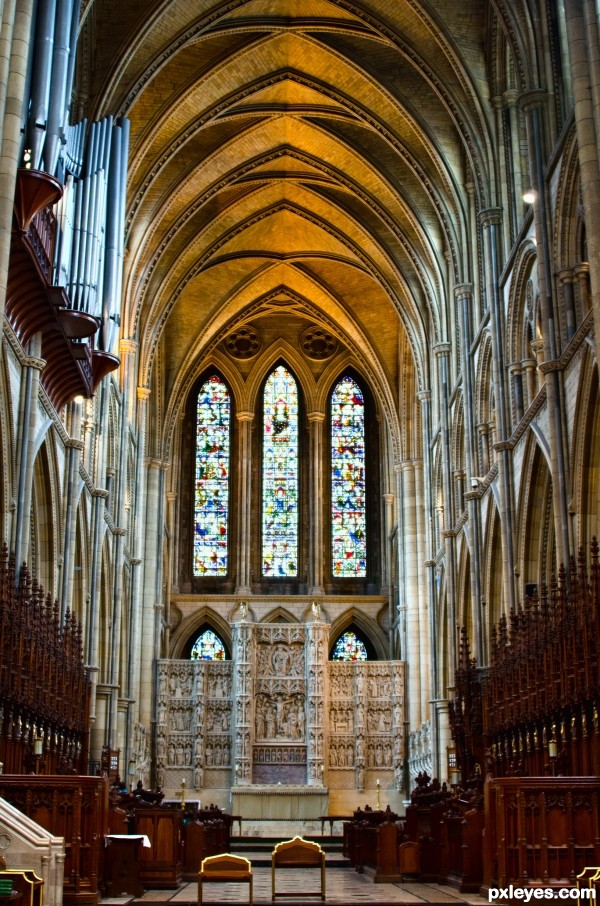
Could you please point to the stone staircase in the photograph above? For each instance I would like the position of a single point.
(259, 848)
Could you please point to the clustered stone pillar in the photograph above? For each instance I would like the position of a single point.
(317, 634)
(30, 386)
(243, 693)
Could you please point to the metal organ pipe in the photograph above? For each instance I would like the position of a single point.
(40, 79)
(59, 100)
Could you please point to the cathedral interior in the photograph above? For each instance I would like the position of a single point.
(299, 381)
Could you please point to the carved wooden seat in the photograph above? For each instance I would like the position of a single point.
(225, 868)
(298, 853)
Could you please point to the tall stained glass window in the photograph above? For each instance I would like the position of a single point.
(349, 648)
(280, 475)
(208, 647)
(211, 505)
(348, 510)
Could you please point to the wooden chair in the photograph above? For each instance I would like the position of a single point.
(298, 853)
(225, 868)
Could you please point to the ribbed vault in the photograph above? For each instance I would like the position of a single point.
(316, 150)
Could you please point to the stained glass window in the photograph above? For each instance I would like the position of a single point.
(280, 475)
(349, 517)
(208, 647)
(211, 506)
(349, 648)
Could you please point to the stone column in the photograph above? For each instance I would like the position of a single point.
(464, 296)
(490, 222)
(15, 48)
(317, 636)
(316, 547)
(138, 543)
(566, 279)
(429, 561)
(244, 578)
(511, 98)
(581, 18)
(442, 352)
(533, 103)
(410, 597)
(152, 608)
(582, 273)
(25, 454)
(422, 594)
(74, 449)
(242, 723)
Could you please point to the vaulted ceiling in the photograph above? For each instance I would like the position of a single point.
(292, 163)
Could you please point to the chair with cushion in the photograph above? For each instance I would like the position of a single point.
(298, 853)
(225, 868)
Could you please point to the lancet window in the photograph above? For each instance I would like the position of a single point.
(280, 475)
(208, 647)
(348, 508)
(211, 500)
(349, 647)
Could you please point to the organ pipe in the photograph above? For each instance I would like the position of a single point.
(40, 80)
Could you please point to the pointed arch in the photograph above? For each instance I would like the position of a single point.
(182, 639)
(585, 472)
(348, 485)
(279, 615)
(212, 473)
(367, 627)
(280, 503)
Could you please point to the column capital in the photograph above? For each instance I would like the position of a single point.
(441, 349)
(533, 99)
(582, 269)
(33, 361)
(463, 291)
(316, 416)
(566, 275)
(244, 415)
(424, 396)
(490, 217)
(389, 498)
(126, 347)
(510, 97)
(143, 393)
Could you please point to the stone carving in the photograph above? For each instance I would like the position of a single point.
(280, 716)
(218, 752)
(180, 717)
(419, 751)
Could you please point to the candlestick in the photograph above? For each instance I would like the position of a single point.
(378, 796)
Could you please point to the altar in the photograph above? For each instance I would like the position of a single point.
(279, 802)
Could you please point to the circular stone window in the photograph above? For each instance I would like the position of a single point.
(243, 343)
(317, 343)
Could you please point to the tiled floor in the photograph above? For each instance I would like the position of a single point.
(344, 887)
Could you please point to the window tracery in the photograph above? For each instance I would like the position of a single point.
(211, 500)
(348, 510)
(280, 475)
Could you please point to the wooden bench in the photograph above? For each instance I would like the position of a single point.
(225, 868)
(298, 853)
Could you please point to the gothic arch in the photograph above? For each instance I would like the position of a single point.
(279, 614)
(366, 625)
(585, 471)
(46, 520)
(192, 624)
(536, 535)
